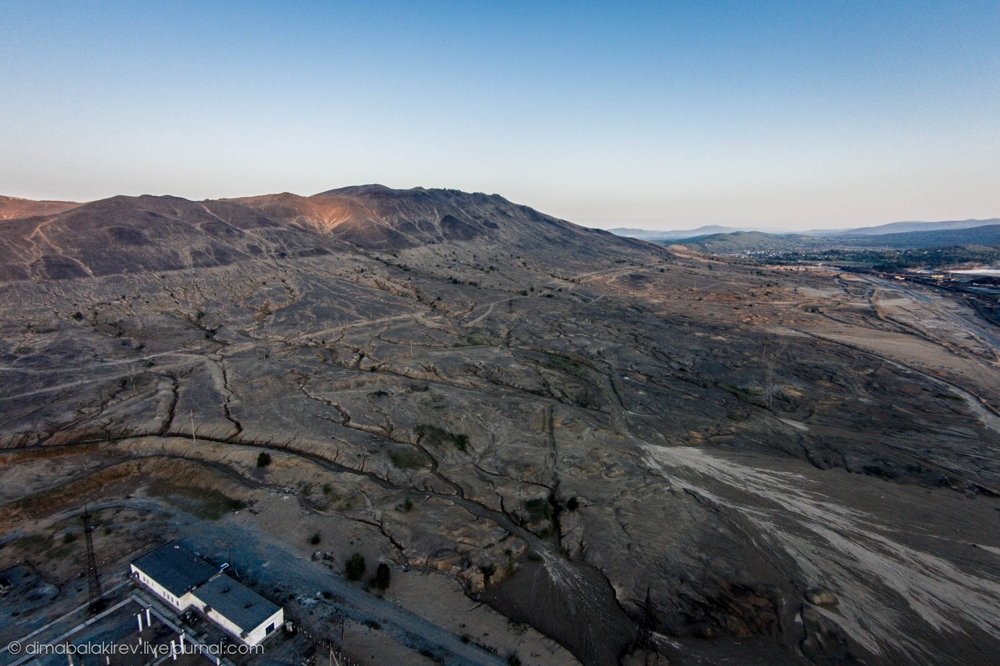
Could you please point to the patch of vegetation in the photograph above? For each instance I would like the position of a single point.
(541, 514)
(512, 660)
(263, 459)
(315, 539)
(407, 504)
(407, 457)
(438, 437)
(475, 339)
(355, 567)
(584, 398)
(488, 571)
(740, 392)
(331, 495)
(539, 509)
(563, 363)
(204, 503)
(573, 504)
(898, 260)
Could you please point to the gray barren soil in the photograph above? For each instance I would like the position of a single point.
(799, 467)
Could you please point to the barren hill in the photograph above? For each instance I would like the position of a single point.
(799, 467)
(12, 207)
(151, 234)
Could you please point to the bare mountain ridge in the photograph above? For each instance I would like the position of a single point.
(162, 233)
(12, 207)
(376, 217)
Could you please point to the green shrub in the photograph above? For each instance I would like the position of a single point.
(382, 576)
(355, 568)
(437, 437)
(539, 508)
(405, 457)
(315, 539)
(263, 459)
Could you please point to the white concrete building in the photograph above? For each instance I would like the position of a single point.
(184, 580)
(171, 573)
(238, 609)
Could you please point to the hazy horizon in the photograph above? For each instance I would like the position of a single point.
(639, 225)
(781, 116)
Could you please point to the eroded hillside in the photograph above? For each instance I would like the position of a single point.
(799, 467)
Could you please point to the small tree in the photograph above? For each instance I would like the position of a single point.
(382, 575)
(263, 459)
(355, 568)
(315, 539)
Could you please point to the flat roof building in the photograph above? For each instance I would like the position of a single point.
(172, 571)
(185, 580)
(238, 609)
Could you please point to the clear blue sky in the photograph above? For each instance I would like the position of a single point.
(659, 115)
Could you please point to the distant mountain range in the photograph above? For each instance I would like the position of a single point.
(905, 227)
(654, 235)
(755, 241)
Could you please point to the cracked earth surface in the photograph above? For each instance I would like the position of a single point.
(552, 422)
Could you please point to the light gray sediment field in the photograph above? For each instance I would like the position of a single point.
(532, 422)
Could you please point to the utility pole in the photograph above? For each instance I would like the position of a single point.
(94, 592)
(647, 623)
